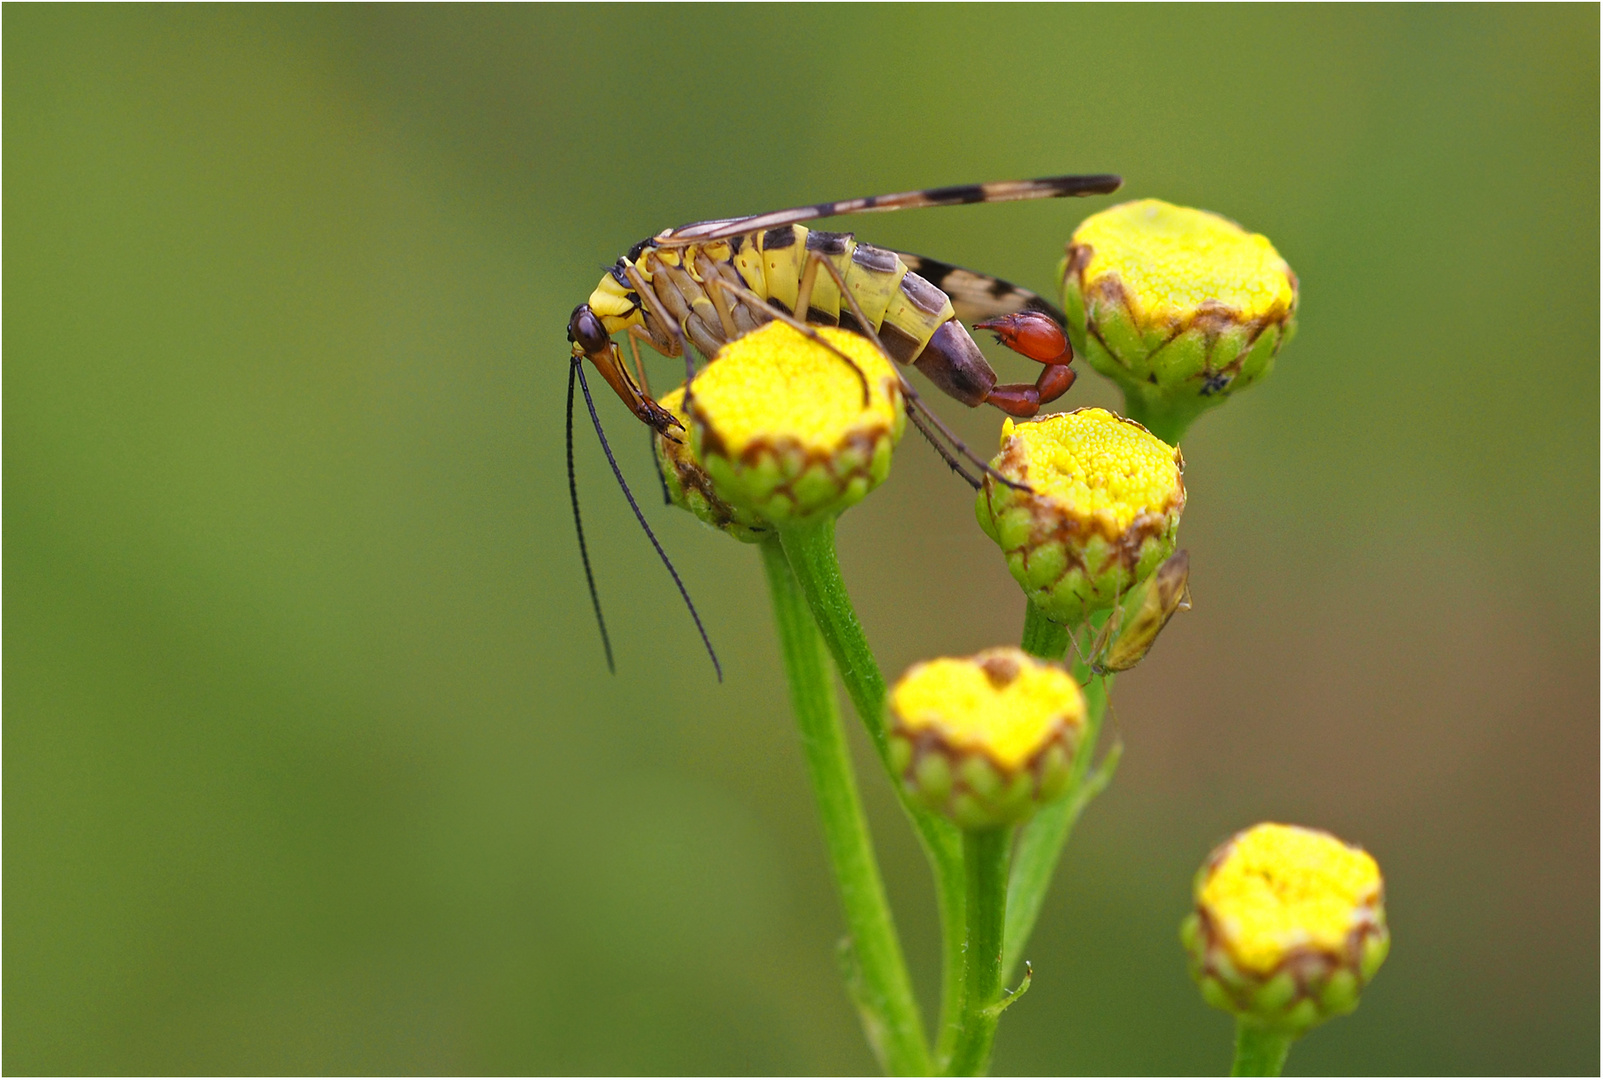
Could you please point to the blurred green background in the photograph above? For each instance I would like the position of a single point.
(311, 760)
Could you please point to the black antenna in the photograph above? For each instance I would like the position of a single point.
(578, 524)
(578, 370)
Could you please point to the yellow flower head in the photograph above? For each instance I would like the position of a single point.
(692, 489)
(1279, 888)
(789, 429)
(987, 738)
(1100, 509)
(1181, 307)
(1170, 261)
(1289, 926)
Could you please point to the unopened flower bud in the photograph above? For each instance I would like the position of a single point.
(689, 486)
(1289, 927)
(1098, 511)
(1140, 616)
(790, 430)
(986, 739)
(1180, 307)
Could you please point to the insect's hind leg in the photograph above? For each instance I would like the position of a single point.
(915, 404)
(800, 327)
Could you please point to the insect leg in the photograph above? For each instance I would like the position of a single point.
(640, 517)
(671, 325)
(578, 524)
(946, 455)
(635, 334)
(915, 404)
(726, 317)
(800, 327)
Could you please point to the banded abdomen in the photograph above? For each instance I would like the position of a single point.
(914, 319)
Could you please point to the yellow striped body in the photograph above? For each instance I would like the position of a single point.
(902, 307)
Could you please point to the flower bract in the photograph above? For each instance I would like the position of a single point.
(1289, 926)
(1180, 307)
(988, 738)
(1097, 509)
(790, 430)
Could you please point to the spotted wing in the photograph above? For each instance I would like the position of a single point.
(1051, 187)
(977, 297)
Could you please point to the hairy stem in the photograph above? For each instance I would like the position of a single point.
(1259, 1051)
(811, 551)
(883, 990)
(985, 857)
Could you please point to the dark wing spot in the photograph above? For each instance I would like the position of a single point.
(962, 193)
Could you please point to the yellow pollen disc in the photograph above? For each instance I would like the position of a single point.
(1281, 887)
(973, 709)
(1172, 258)
(776, 383)
(1098, 467)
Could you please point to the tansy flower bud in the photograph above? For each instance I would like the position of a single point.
(691, 488)
(985, 739)
(1100, 511)
(784, 428)
(1180, 307)
(1289, 927)
(1140, 616)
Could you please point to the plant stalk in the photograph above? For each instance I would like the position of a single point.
(1043, 837)
(985, 858)
(1167, 423)
(811, 551)
(889, 1010)
(1259, 1050)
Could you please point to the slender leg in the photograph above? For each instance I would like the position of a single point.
(800, 327)
(670, 326)
(635, 335)
(915, 404)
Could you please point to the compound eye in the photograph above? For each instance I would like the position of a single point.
(585, 329)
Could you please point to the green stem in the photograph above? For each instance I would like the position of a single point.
(985, 856)
(884, 992)
(1159, 417)
(811, 551)
(1259, 1050)
(1043, 638)
(1041, 840)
